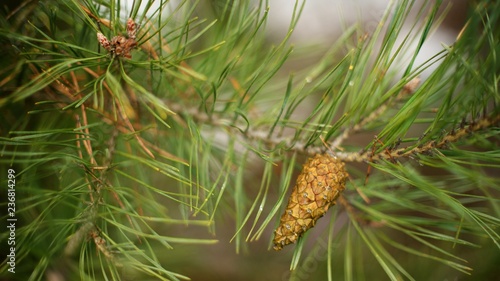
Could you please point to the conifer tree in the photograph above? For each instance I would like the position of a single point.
(128, 133)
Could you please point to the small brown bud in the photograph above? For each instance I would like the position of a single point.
(103, 41)
(131, 29)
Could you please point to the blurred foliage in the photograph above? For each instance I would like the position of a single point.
(148, 168)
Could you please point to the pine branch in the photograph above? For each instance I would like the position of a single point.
(458, 134)
(126, 129)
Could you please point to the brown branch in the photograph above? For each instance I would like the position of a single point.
(102, 246)
(454, 136)
(261, 136)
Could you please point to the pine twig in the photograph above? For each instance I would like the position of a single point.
(261, 135)
(427, 148)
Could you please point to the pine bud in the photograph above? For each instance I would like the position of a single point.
(103, 41)
(319, 184)
(131, 29)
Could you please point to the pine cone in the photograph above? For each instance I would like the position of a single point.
(320, 182)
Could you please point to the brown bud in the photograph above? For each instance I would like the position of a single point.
(319, 184)
(103, 41)
(131, 29)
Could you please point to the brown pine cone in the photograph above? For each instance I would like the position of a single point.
(320, 182)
